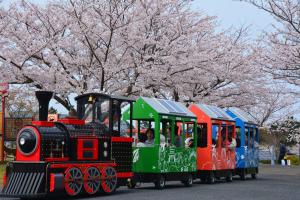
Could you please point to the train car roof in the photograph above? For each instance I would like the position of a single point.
(214, 112)
(95, 94)
(241, 114)
(168, 107)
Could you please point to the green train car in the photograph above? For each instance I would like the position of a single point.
(164, 146)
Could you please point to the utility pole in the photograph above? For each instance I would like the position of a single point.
(3, 92)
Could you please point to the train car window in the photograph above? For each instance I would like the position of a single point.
(103, 111)
(145, 134)
(116, 122)
(256, 135)
(116, 116)
(246, 135)
(251, 140)
(124, 124)
(178, 132)
(189, 135)
(230, 132)
(215, 134)
(256, 138)
(238, 136)
(88, 115)
(231, 137)
(166, 133)
(125, 128)
(202, 135)
(223, 136)
(96, 110)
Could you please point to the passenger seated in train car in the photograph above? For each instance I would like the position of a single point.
(189, 142)
(164, 134)
(142, 137)
(231, 139)
(231, 143)
(162, 140)
(150, 137)
(168, 136)
(142, 127)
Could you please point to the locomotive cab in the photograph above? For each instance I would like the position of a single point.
(105, 110)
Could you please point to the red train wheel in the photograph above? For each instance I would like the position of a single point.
(91, 180)
(109, 180)
(73, 181)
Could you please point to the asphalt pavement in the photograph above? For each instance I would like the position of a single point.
(273, 183)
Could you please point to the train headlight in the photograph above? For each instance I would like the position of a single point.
(22, 141)
(27, 141)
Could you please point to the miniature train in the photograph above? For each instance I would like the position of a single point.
(151, 140)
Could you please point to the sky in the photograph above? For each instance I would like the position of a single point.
(236, 13)
(230, 13)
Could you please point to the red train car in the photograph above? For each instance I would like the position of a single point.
(216, 143)
(74, 155)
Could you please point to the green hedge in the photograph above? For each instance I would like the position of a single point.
(295, 160)
(2, 169)
(265, 161)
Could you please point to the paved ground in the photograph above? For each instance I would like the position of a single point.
(273, 183)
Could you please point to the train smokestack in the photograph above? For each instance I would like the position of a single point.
(43, 98)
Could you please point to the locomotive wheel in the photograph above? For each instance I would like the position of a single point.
(229, 177)
(73, 181)
(189, 181)
(92, 180)
(109, 180)
(160, 182)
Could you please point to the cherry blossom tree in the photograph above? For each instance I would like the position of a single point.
(147, 47)
(67, 47)
(271, 103)
(286, 130)
(21, 105)
(282, 57)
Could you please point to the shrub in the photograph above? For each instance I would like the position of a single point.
(295, 160)
(265, 161)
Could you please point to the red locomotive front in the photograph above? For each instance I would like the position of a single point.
(88, 153)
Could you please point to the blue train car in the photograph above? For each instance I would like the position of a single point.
(247, 138)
